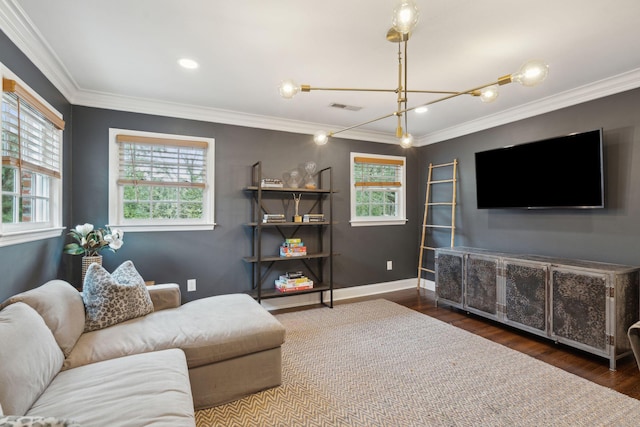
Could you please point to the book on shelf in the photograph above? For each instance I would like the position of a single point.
(293, 247)
(285, 286)
(292, 275)
(271, 183)
(288, 252)
(313, 218)
(273, 218)
(292, 282)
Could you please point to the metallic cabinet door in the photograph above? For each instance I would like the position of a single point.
(579, 307)
(482, 282)
(449, 278)
(526, 294)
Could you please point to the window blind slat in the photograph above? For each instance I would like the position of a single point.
(10, 161)
(161, 141)
(378, 184)
(12, 86)
(142, 162)
(29, 138)
(161, 183)
(377, 161)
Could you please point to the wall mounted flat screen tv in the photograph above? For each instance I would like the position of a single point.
(561, 172)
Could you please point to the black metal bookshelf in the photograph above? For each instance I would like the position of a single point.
(318, 264)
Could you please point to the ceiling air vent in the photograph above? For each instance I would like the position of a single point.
(345, 107)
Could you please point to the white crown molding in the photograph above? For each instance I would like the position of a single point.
(610, 86)
(216, 115)
(21, 31)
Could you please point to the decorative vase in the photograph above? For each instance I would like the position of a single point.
(87, 261)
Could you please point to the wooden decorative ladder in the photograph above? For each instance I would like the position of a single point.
(422, 262)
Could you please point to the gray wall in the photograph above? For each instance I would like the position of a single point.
(214, 258)
(28, 265)
(610, 235)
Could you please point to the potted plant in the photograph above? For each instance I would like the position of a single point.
(89, 242)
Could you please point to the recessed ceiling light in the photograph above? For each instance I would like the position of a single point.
(188, 63)
(421, 110)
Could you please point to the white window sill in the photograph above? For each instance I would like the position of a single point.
(140, 228)
(17, 237)
(376, 222)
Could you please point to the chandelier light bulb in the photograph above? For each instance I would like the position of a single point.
(489, 93)
(407, 140)
(405, 16)
(321, 137)
(531, 73)
(288, 89)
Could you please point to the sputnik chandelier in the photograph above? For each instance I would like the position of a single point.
(405, 18)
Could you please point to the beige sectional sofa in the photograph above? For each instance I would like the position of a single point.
(150, 370)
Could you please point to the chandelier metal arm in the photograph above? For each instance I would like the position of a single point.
(474, 92)
(398, 113)
(307, 88)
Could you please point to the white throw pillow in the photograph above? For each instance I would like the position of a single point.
(114, 298)
(29, 357)
(61, 307)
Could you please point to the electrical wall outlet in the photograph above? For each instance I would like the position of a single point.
(389, 265)
(191, 285)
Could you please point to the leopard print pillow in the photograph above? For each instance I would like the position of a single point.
(24, 421)
(114, 298)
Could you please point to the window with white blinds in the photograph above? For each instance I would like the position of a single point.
(377, 189)
(31, 162)
(161, 180)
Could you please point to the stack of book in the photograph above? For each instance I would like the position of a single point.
(273, 218)
(293, 281)
(313, 218)
(293, 248)
(271, 183)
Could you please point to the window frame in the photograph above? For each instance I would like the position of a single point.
(116, 191)
(400, 218)
(22, 232)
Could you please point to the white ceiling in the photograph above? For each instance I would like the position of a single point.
(123, 54)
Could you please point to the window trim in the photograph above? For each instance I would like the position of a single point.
(13, 234)
(401, 219)
(115, 191)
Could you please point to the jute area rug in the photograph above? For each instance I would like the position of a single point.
(377, 363)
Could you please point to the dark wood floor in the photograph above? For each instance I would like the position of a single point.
(626, 379)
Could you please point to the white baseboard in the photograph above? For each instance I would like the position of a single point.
(346, 293)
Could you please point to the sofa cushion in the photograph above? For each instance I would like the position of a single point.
(61, 307)
(208, 330)
(140, 390)
(165, 295)
(113, 298)
(29, 357)
(22, 421)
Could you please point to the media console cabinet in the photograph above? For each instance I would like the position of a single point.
(584, 304)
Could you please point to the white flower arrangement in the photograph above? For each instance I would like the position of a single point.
(90, 241)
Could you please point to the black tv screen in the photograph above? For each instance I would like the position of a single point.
(561, 172)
